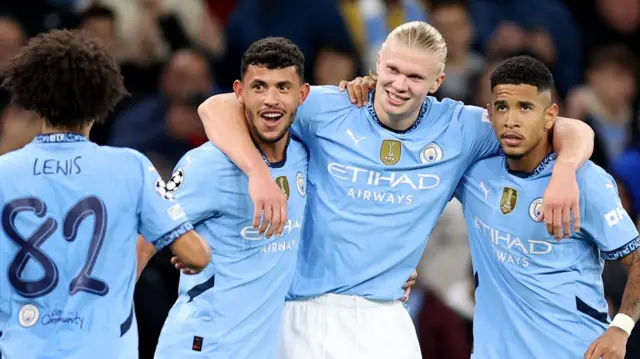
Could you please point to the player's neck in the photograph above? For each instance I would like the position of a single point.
(397, 123)
(85, 130)
(530, 161)
(274, 152)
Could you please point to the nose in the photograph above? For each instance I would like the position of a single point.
(271, 97)
(512, 120)
(400, 83)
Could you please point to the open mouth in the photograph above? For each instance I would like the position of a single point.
(271, 118)
(395, 99)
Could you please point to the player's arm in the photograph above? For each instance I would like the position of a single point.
(573, 143)
(631, 299)
(163, 222)
(225, 125)
(608, 225)
(144, 251)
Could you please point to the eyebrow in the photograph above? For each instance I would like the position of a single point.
(262, 82)
(393, 67)
(504, 102)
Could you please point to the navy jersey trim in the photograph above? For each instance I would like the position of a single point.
(623, 251)
(60, 137)
(374, 115)
(126, 325)
(476, 280)
(280, 163)
(201, 288)
(172, 235)
(585, 308)
(552, 156)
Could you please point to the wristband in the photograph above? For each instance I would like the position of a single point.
(623, 322)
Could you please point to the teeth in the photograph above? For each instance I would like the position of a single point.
(394, 97)
(272, 115)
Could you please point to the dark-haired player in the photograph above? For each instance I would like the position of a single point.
(233, 308)
(72, 211)
(537, 297)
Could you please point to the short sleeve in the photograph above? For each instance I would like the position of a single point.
(161, 220)
(605, 221)
(323, 104)
(194, 184)
(478, 137)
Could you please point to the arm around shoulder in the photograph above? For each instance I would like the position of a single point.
(224, 122)
(573, 142)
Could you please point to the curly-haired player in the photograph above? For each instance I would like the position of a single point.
(72, 211)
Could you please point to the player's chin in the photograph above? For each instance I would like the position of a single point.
(513, 153)
(273, 136)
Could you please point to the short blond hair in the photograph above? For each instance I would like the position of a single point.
(421, 35)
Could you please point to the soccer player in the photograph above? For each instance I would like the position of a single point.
(379, 177)
(233, 308)
(537, 297)
(72, 211)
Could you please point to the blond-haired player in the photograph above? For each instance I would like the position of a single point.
(379, 177)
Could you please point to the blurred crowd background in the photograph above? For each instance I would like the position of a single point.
(176, 53)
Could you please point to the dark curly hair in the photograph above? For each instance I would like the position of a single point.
(66, 77)
(273, 53)
(523, 70)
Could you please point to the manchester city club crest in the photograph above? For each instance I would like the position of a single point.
(431, 153)
(301, 184)
(509, 200)
(283, 183)
(535, 210)
(390, 152)
(28, 315)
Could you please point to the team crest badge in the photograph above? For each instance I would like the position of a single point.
(301, 184)
(28, 315)
(283, 183)
(431, 153)
(390, 152)
(508, 200)
(535, 210)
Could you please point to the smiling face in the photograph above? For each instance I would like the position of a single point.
(271, 98)
(521, 117)
(406, 75)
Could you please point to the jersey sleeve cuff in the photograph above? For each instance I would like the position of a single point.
(623, 251)
(171, 236)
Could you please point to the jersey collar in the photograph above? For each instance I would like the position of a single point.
(549, 159)
(280, 163)
(374, 115)
(60, 137)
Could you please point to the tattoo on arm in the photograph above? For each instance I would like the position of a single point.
(631, 298)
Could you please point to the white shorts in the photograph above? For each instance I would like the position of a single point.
(347, 327)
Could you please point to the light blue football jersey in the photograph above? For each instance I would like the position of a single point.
(71, 214)
(375, 194)
(233, 308)
(536, 297)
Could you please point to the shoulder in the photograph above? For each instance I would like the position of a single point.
(457, 112)
(206, 160)
(492, 165)
(126, 156)
(297, 153)
(592, 176)
(326, 99)
(13, 157)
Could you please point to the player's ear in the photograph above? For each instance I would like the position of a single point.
(238, 89)
(304, 92)
(437, 83)
(550, 116)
